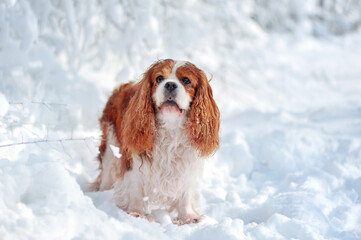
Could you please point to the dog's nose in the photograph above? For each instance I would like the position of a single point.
(170, 86)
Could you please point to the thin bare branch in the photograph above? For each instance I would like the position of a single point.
(45, 141)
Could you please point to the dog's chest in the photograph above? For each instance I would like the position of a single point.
(171, 146)
(174, 166)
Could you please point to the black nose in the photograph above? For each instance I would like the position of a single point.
(170, 86)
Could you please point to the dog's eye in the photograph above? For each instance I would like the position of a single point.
(186, 81)
(159, 79)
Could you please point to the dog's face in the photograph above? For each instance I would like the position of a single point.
(174, 85)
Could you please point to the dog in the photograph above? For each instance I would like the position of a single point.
(156, 134)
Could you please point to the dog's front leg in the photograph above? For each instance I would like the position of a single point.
(129, 193)
(186, 212)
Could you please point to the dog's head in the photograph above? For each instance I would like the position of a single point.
(173, 92)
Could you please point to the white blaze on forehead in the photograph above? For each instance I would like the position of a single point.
(175, 67)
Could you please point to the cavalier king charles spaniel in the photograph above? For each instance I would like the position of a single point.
(163, 126)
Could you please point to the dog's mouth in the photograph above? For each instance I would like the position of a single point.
(170, 104)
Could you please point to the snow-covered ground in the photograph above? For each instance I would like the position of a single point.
(289, 91)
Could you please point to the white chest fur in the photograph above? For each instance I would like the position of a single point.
(165, 178)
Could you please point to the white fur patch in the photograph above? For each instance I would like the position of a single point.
(109, 160)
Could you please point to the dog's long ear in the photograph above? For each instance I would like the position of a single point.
(203, 120)
(139, 118)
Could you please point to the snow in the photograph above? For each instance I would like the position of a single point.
(115, 151)
(4, 105)
(287, 80)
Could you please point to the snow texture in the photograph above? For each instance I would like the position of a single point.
(286, 77)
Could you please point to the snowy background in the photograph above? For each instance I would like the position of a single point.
(286, 76)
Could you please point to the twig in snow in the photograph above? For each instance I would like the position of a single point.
(45, 141)
(46, 104)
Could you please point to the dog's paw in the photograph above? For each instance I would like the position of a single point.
(187, 219)
(140, 215)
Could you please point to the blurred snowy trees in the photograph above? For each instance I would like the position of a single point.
(88, 31)
(316, 17)
(46, 45)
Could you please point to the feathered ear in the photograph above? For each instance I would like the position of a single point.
(203, 120)
(139, 118)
